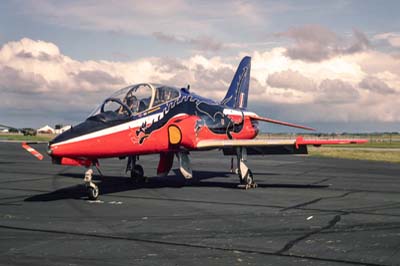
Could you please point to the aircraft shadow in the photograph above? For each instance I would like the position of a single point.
(115, 184)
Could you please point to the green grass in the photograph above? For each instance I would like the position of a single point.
(356, 154)
(19, 137)
(380, 145)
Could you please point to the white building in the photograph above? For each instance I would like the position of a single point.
(46, 130)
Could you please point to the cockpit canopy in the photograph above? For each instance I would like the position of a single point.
(136, 99)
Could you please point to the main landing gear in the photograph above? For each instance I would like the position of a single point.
(244, 173)
(137, 172)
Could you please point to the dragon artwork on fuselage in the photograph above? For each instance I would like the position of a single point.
(210, 115)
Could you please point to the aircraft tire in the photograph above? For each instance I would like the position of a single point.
(137, 174)
(93, 192)
(247, 179)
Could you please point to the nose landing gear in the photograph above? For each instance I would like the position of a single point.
(92, 190)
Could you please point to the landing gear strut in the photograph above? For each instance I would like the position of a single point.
(137, 172)
(91, 189)
(184, 165)
(245, 174)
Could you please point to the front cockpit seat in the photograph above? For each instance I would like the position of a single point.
(142, 106)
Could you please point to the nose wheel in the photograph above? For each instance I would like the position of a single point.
(92, 190)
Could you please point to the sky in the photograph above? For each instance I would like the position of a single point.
(332, 65)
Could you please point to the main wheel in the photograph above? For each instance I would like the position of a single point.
(93, 192)
(137, 173)
(249, 178)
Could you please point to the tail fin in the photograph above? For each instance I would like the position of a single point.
(238, 91)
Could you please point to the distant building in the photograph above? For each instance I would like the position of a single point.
(60, 128)
(46, 130)
(3, 129)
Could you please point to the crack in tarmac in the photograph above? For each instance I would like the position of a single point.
(316, 200)
(293, 242)
(322, 181)
(331, 223)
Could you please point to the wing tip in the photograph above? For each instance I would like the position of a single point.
(31, 150)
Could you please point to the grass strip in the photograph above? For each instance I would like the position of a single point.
(15, 137)
(355, 154)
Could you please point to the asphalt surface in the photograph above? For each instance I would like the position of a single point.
(306, 211)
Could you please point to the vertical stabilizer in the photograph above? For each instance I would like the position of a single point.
(238, 91)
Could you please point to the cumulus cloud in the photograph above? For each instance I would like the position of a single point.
(291, 80)
(248, 11)
(202, 43)
(140, 17)
(337, 92)
(126, 16)
(95, 76)
(376, 85)
(20, 82)
(315, 43)
(358, 43)
(60, 82)
(208, 77)
(392, 38)
(36, 78)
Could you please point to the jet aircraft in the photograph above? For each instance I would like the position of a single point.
(152, 118)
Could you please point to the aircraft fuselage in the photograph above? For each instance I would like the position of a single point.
(177, 125)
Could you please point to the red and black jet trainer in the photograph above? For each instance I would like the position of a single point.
(152, 118)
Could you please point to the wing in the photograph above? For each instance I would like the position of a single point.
(271, 146)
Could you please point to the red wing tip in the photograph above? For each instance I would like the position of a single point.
(360, 141)
(32, 151)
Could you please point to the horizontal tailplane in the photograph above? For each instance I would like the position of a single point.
(273, 121)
